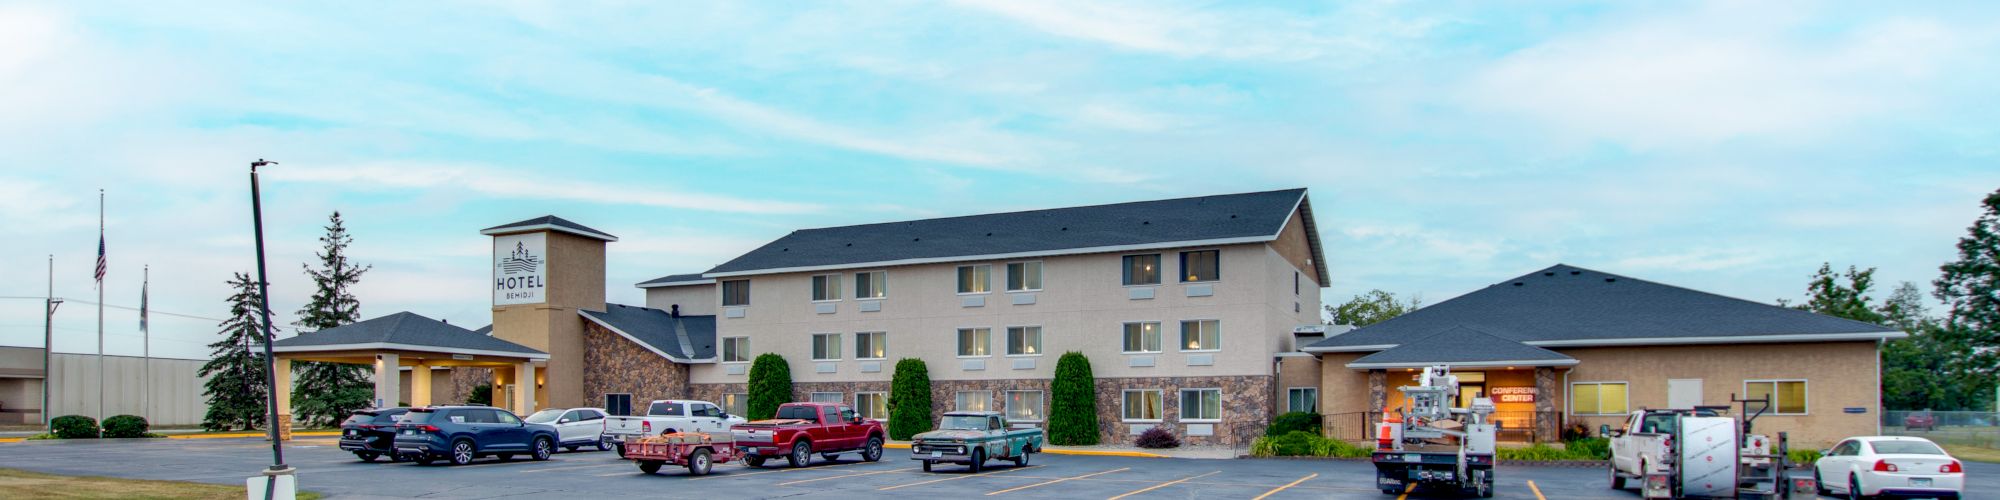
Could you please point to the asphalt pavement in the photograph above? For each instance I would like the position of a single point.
(325, 469)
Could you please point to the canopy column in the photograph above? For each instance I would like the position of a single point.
(388, 378)
(524, 388)
(420, 385)
(282, 369)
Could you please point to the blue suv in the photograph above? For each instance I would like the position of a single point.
(462, 433)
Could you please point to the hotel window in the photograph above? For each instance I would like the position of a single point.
(736, 403)
(873, 285)
(1201, 335)
(826, 347)
(1597, 398)
(1204, 265)
(1201, 404)
(871, 345)
(827, 397)
(1305, 399)
(1024, 406)
(1142, 337)
(1024, 276)
(735, 349)
(619, 404)
(1295, 282)
(736, 293)
(975, 279)
(1142, 405)
(872, 405)
(1142, 269)
(975, 400)
(974, 342)
(1788, 397)
(826, 287)
(1024, 340)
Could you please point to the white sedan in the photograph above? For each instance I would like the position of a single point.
(575, 427)
(1863, 467)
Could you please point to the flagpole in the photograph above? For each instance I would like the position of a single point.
(100, 313)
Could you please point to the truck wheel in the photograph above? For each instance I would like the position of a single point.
(927, 466)
(605, 444)
(698, 463)
(621, 450)
(978, 460)
(1617, 481)
(543, 449)
(874, 450)
(1486, 488)
(649, 466)
(461, 452)
(754, 461)
(366, 456)
(801, 454)
(1021, 460)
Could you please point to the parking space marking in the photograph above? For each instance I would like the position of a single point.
(955, 478)
(1275, 491)
(546, 469)
(803, 481)
(1406, 492)
(1163, 485)
(1046, 483)
(1537, 490)
(788, 469)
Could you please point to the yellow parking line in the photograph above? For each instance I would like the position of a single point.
(1275, 491)
(803, 481)
(955, 478)
(1046, 483)
(1406, 492)
(1538, 491)
(1163, 485)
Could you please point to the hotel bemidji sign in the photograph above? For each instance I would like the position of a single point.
(520, 268)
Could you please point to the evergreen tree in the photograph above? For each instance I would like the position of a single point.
(1971, 287)
(770, 386)
(326, 393)
(909, 399)
(235, 370)
(1370, 308)
(1073, 416)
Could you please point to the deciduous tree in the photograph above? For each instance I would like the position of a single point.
(1970, 285)
(1370, 308)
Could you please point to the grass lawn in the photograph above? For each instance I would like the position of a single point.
(1973, 453)
(23, 484)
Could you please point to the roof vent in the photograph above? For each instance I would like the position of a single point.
(1608, 280)
(786, 249)
(676, 311)
(989, 234)
(1550, 273)
(1145, 223)
(850, 244)
(1065, 228)
(1232, 216)
(916, 239)
(1517, 283)
(1574, 273)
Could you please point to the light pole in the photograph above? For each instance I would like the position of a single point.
(278, 467)
(49, 306)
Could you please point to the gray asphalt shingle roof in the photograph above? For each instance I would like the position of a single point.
(553, 222)
(1568, 305)
(1461, 344)
(405, 328)
(1246, 216)
(675, 279)
(687, 337)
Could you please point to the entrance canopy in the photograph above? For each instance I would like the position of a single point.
(407, 339)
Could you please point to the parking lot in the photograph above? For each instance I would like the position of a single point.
(327, 470)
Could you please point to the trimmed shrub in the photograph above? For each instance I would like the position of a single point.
(1806, 457)
(125, 426)
(482, 395)
(770, 386)
(1589, 448)
(1293, 421)
(1073, 414)
(1296, 444)
(909, 399)
(1156, 438)
(74, 427)
(1306, 444)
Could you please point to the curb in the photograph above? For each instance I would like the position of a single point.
(1059, 451)
(221, 435)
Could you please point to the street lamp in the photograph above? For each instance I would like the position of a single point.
(278, 467)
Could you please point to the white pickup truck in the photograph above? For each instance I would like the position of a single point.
(668, 416)
(1689, 453)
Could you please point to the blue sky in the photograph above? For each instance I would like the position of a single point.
(1728, 147)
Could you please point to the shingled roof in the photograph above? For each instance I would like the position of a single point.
(1203, 220)
(1462, 346)
(549, 222)
(676, 280)
(406, 331)
(686, 339)
(1568, 306)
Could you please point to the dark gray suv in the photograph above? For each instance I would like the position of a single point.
(462, 433)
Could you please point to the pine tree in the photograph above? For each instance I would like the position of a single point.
(325, 393)
(1073, 414)
(235, 371)
(1971, 286)
(909, 399)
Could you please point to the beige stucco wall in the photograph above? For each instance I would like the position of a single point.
(1082, 308)
(695, 300)
(441, 388)
(575, 280)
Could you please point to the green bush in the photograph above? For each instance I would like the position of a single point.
(482, 395)
(1579, 449)
(125, 426)
(1806, 457)
(909, 399)
(1073, 414)
(1156, 438)
(1589, 448)
(1293, 421)
(1306, 444)
(74, 427)
(770, 385)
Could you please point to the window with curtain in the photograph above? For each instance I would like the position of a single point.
(975, 400)
(1597, 398)
(974, 341)
(871, 345)
(736, 293)
(1024, 340)
(1201, 335)
(1788, 397)
(1142, 269)
(1023, 276)
(1142, 404)
(1203, 265)
(1305, 399)
(1142, 337)
(1024, 406)
(736, 403)
(735, 349)
(826, 287)
(872, 405)
(873, 285)
(826, 347)
(1201, 404)
(975, 279)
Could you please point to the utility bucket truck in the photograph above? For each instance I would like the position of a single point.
(1702, 452)
(1433, 445)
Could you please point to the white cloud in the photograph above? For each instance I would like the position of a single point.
(519, 184)
(1693, 260)
(1181, 31)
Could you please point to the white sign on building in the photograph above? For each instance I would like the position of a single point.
(520, 268)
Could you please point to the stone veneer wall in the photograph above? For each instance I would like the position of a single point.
(463, 379)
(615, 365)
(1246, 401)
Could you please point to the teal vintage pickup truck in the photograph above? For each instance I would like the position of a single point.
(974, 437)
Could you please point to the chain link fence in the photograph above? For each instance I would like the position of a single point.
(1967, 428)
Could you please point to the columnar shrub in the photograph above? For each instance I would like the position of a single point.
(74, 427)
(1073, 414)
(770, 385)
(125, 426)
(909, 399)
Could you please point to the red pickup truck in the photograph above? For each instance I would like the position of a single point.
(802, 429)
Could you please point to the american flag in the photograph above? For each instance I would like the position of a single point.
(100, 260)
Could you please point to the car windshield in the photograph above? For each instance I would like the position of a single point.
(1900, 447)
(545, 416)
(799, 412)
(963, 423)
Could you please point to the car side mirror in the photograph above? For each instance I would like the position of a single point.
(857, 420)
(564, 421)
(1604, 429)
(1616, 433)
(1826, 452)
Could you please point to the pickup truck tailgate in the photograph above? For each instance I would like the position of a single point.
(624, 425)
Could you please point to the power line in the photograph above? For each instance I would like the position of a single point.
(135, 309)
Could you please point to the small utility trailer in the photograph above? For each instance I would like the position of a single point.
(698, 451)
